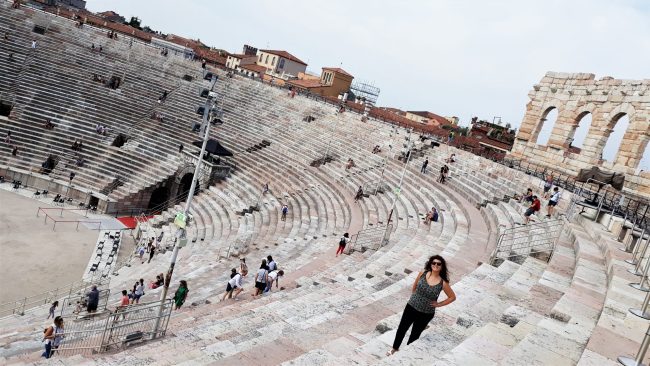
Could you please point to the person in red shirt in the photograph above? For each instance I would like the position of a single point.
(124, 303)
(534, 207)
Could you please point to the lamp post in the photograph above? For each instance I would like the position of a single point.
(181, 233)
(383, 168)
(67, 190)
(401, 179)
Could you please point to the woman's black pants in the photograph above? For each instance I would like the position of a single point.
(418, 319)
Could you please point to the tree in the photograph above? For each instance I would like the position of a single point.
(135, 22)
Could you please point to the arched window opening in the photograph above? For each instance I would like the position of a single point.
(548, 121)
(581, 131)
(615, 138)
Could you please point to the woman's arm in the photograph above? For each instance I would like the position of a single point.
(49, 334)
(415, 284)
(451, 296)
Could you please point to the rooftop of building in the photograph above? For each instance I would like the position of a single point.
(285, 54)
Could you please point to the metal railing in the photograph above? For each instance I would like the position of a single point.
(74, 305)
(19, 307)
(370, 239)
(533, 239)
(120, 328)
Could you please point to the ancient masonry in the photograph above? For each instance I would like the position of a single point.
(575, 96)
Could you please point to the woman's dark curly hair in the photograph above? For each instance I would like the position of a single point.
(444, 273)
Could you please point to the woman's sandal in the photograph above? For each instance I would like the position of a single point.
(391, 352)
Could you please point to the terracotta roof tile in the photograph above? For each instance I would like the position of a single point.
(306, 83)
(254, 67)
(338, 70)
(286, 55)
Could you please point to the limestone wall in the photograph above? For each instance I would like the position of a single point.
(574, 96)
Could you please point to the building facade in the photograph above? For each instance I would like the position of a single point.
(332, 82)
(235, 60)
(280, 64)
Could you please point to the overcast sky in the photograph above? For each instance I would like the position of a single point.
(450, 57)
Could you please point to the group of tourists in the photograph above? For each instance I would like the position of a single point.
(534, 202)
(267, 275)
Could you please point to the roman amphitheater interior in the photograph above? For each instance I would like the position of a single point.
(567, 290)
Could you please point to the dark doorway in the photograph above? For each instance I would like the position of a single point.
(94, 201)
(120, 140)
(39, 29)
(186, 184)
(159, 196)
(5, 109)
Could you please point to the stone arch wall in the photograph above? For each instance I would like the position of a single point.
(606, 99)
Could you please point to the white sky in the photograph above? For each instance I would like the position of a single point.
(451, 57)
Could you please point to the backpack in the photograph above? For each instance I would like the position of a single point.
(342, 241)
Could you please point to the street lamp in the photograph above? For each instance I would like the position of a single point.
(398, 191)
(72, 174)
(385, 162)
(181, 233)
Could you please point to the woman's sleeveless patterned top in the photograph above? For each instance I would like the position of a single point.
(425, 294)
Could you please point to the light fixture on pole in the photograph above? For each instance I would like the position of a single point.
(181, 236)
(72, 175)
(398, 190)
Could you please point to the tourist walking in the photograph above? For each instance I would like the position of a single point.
(52, 337)
(52, 309)
(92, 300)
(138, 292)
(423, 302)
(285, 209)
(152, 251)
(243, 267)
(141, 251)
(261, 277)
(534, 207)
(547, 185)
(423, 170)
(271, 264)
(234, 285)
(274, 276)
(359, 194)
(441, 178)
(124, 303)
(555, 198)
(345, 239)
(181, 294)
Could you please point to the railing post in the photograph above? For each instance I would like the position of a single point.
(644, 278)
(640, 355)
(643, 311)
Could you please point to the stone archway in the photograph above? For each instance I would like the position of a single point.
(576, 96)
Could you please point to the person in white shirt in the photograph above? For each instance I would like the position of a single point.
(139, 291)
(34, 44)
(273, 276)
(345, 239)
(555, 198)
(234, 285)
(271, 263)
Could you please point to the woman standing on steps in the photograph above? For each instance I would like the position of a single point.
(181, 294)
(422, 305)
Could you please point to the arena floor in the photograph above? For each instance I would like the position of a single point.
(33, 258)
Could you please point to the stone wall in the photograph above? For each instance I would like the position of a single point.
(574, 96)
